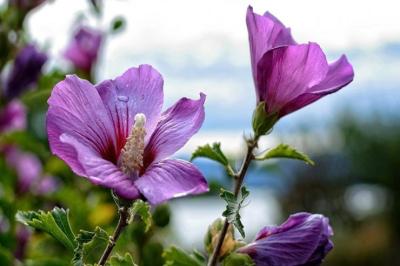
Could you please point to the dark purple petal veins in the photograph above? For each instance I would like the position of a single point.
(138, 90)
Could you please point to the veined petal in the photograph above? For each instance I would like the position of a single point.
(176, 126)
(265, 32)
(339, 75)
(171, 179)
(138, 90)
(286, 72)
(76, 109)
(100, 171)
(302, 240)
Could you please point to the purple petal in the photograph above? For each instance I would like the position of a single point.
(265, 32)
(13, 117)
(25, 71)
(286, 72)
(302, 240)
(171, 179)
(138, 90)
(27, 166)
(76, 109)
(46, 185)
(176, 126)
(340, 74)
(84, 48)
(101, 172)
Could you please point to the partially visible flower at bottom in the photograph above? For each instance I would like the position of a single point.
(302, 240)
(12, 117)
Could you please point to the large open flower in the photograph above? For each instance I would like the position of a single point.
(302, 240)
(115, 134)
(287, 75)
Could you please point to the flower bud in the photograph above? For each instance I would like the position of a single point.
(263, 121)
(212, 237)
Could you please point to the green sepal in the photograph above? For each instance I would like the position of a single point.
(263, 122)
(284, 151)
(234, 204)
(141, 209)
(54, 222)
(213, 152)
(237, 259)
(175, 256)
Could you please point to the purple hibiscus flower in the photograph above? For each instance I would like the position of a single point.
(287, 75)
(116, 136)
(302, 240)
(25, 71)
(12, 117)
(84, 48)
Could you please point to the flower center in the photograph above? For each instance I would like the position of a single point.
(131, 160)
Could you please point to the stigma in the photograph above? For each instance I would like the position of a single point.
(131, 159)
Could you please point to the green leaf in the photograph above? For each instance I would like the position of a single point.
(55, 223)
(214, 153)
(237, 259)
(118, 260)
(117, 24)
(90, 246)
(285, 151)
(141, 209)
(234, 204)
(177, 257)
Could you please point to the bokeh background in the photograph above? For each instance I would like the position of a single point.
(201, 46)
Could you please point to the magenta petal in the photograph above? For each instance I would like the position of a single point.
(340, 74)
(286, 72)
(13, 117)
(76, 109)
(27, 166)
(265, 32)
(100, 171)
(84, 48)
(171, 179)
(138, 90)
(302, 240)
(176, 126)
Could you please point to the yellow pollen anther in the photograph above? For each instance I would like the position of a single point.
(131, 159)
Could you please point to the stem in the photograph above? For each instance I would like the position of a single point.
(122, 223)
(251, 144)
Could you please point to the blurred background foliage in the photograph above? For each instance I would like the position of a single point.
(356, 183)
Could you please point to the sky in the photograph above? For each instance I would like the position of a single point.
(202, 46)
